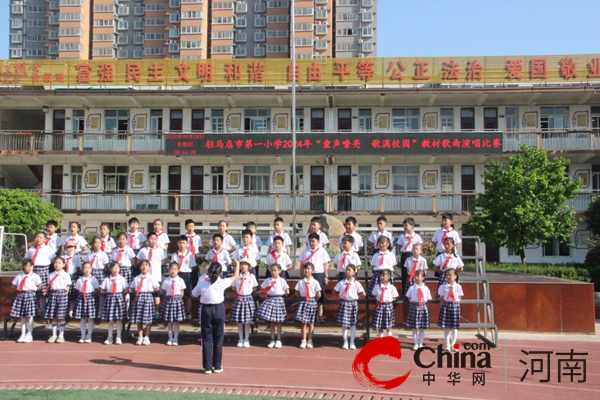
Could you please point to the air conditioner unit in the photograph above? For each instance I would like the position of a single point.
(361, 55)
(360, 40)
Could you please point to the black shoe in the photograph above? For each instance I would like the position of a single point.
(218, 370)
(320, 319)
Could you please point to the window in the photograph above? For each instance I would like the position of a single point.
(321, 29)
(364, 179)
(259, 36)
(259, 51)
(346, 46)
(241, 52)
(36, 9)
(276, 34)
(447, 119)
(345, 119)
(174, 3)
(18, 53)
(156, 21)
(321, 44)
(104, 22)
(156, 7)
(16, 8)
(299, 120)
(101, 52)
(556, 249)
(512, 118)
(17, 37)
(197, 120)
(240, 37)
(16, 23)
(257, 120)
(70, 32)
(154, 178)
(221, 49)
(260, 7)
(219, 34)
(241, 22)
(123, 25)
(116, 120)
(364, 119)
(138, 53)
(37, 52)
(173, 47)
(138, 39)
(115, 179)
(225, 5)
(346, 17)
(190, 30)
(220, 20)
(123, 10)
(276, 19)
(447, 178)
(467, 118)
(174, 18)
(317, 119)
(122, 53)
(367, 17)
(404, 119)
(554, 118)
(176, 121)
(53, 34)
(304, 11)
(366, 47)
(305, 42)
(192, 45)
(217, 120)
(367, 32)
(36, 38)
(78, 120)
(278, 4)
(321, 13)
(405, 179)
(138, 25)
(305, 27)
(156, 119)
(256, 179)
(139, 11)
(259, 22)
(71, 17)
(109, 8)
(596, 178)
(41, 23)
(71, 47)
(76, 178)
(241, 7)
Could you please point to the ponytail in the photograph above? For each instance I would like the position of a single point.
(214, 271)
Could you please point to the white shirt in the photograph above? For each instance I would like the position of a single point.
(322, 238)
(454, 262)
(109, 244)
(358, 241)
(228, 242)
(126, 256)
(79, 240)
(389, 261)
(249, 284)
(439, 235)
(97, 260)
(54, 242)
(413, 293)
(251, 252)
(278, 289)
(403, 242)
(211, 293)
(444, 291)
(107, 284)
(158, 255)
(410, 263)
(72, 263)
(138, 238)
(376, 235)
(353, 291)
(186, 261)
(194, 243)
(31, 283)
(351, 257)
(44, 255)
(60, 283)
(222, 257)
(318, 258)
(286, 240)
(389, 295)
(92, 284)
(167, 286)
(148, 285)
(313, 287)
(257, 242)
(163, 240)
(280, 258)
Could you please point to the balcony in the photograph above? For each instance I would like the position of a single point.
(308, 203)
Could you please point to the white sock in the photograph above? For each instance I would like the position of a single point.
(421, 336)
(90, 328)
(23, 326)
(454, 336)
(447, 336)
(30, 325)
(176, 330)
(119, 328)
(352, 333)
(82, 326)
(389, 332)
(62, 327)
(110, 329)
(127, 301)
(345, 333)
(170, 326)
(415, 333)
(241, 331)
(247, 331)
(54, 327)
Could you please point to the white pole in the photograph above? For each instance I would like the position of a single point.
(293, 54)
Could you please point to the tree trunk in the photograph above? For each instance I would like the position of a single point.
(522, 254)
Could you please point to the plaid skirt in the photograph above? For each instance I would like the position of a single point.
(85, 308)
(172, 309)
(375, 281)
(272, 309)
(449, 315)
(441, 282)
(142, 309)
(56, 307)
(73, 293)
(384, 316)
(418, 316)
(24, 305)
(347, 313)
(242, 311)
(125, 272)
(42, 271)
(306, 311)
(99, 274)
(114, 307)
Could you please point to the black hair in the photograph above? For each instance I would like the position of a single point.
(217, 235)
(350, 219)
(189, 221)
(147, 262)
(182, 237)
(158, 220)
(151, 234)
(316, 219)
(382, 218)
(447, 216)
(278, 219)
(173, 263)
(133, 219)
(409, 220)
(26, 261)
(449, 238)
(276, 266)
(52, 222)
(278, 238)
(76, 223)
(247, 232)
(385, 272)
(451, 269)
(214, 271)
(96, 237)
(351, 266)
(314, 235)
(250, 223)
(40, 233)
(106, 225)
(121, 234)
(112, 264)
(420, 272)
(58, 258)
(84, 263)
(348, 238)
(308, 265)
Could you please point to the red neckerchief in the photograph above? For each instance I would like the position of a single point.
(121, 251)
(348, 285)
(241, 288)
(420, 295)
(446, 232)
(173, 287)
(380, 302)
(447, 261)
(409, 237)
(414, 269)
(381, 257)
(114, 286)
(84, 289)
(268, 287)
(451, 295)
(192, 247)
(309, 256)
(22, 285)
(37, 250)
(51, 282)
(132, 236)
(307, 289)
(216, 254)
(137, 291)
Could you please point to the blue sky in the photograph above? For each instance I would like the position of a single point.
(471, 27)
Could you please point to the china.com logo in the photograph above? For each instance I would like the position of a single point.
(390, 346)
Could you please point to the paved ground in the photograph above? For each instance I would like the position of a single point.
(324, 372)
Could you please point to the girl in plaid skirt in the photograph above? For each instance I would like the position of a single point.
(308, 289)
(243, 309)
(383, 260)
(142, 308)
(383, 315)
(85, 305)
(57, 291)
(349, 290)
(273, 308)
(173, 309)
(418, 314)
(114, 287)
(27, 284)
(447, 260)
(450, 295)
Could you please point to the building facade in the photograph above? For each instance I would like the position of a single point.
(190, 29)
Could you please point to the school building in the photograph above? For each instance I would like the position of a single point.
(105, 140)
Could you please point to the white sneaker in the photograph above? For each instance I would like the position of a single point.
(345, 346)
(52, 339)
(88, 339)
(381, 334)
(146, 341)
(174, 342)
(28, 338)
(240, 343)
(140, 341)
(309, 344)
(415, 347)
(21, 338)
(170, 342)
(108, 341)
(247, 344)
(390, 333)
(82, 340)
(118, 341)
(303, 344)
(207, 371)
(218, 370)
(352, 346)
(60, 339)
(278, 344)
(271, 344)
(448, 348)
(420, 346)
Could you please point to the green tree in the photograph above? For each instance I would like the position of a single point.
(592, 216)
(525, 202)
(25, 212)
